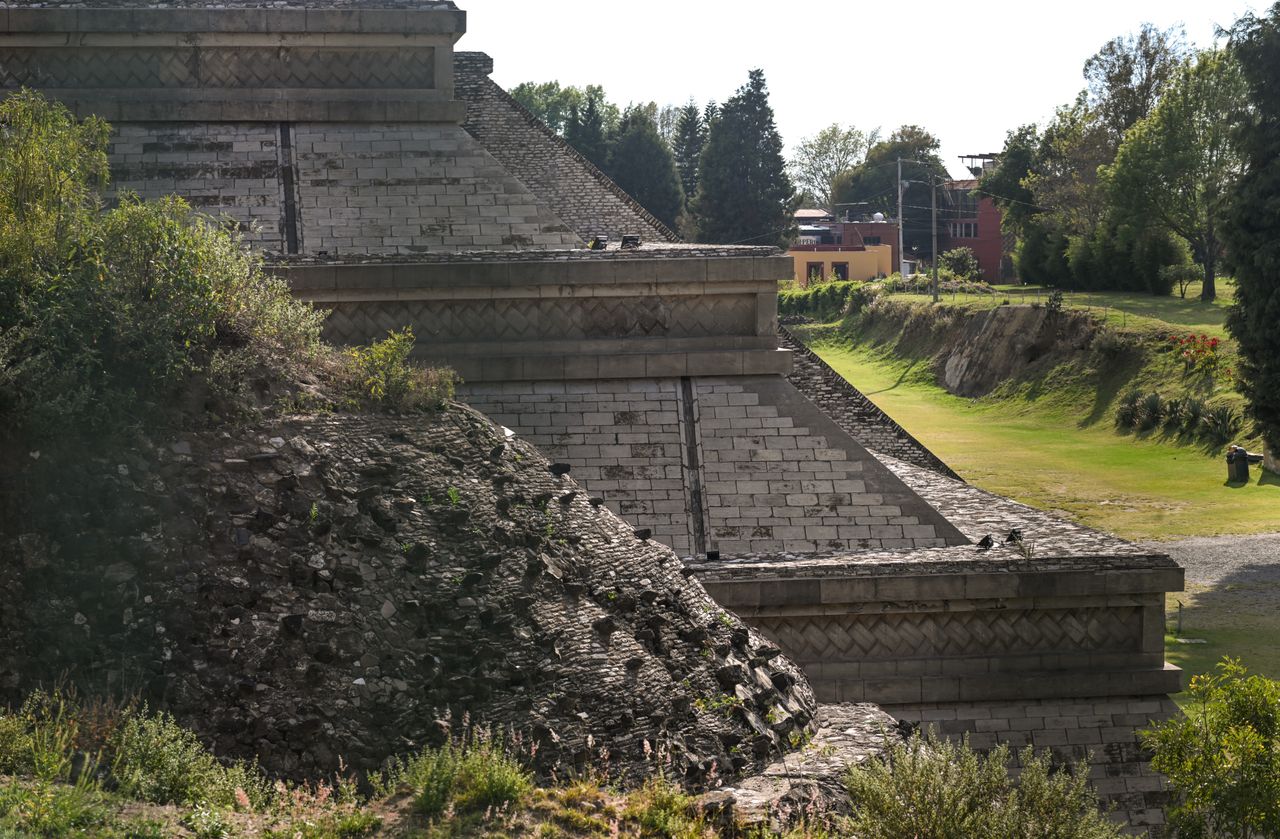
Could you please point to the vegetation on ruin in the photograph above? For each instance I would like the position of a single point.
(147, 311)
(71, 767)
(932, 787)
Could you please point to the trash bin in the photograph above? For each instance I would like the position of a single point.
(1237, 465)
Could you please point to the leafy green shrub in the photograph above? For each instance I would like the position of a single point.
(15, 746)
(1174, 414)
(155, 759)
(961, 262)
(821, 300)
(473, 774)
(206, 823)
(936, 788)
(104, 316)
(1220, 423)
(1222, 757)
(382, 375)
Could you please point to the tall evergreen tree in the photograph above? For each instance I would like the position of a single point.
(641, 163)
(586, 129)
(744, 194)
(690, 136)
(1253, 225)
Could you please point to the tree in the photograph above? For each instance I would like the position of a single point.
(1252, 231)
(1064, 181)
(1005, 183)
(641, 163)
(744, 194)
(548, 101)
(820, 158)
(586, 129)
(962, 262)
(1177, 167)
(686, 145)
(1223, 757)
(1126, 77)
(873, 182)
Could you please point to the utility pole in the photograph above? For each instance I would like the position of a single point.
(935, 237)
(902, 261)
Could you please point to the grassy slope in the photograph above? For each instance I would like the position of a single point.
(1040, 453)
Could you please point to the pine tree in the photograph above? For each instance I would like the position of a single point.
(641, 163)
(1253, 226)
(744, 194)
(585, 128)
(690, 136)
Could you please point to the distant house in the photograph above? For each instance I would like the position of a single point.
(850, 249)
(967, 219)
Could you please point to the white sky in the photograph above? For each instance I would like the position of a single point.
(966, 70)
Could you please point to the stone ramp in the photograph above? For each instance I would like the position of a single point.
(736, 464)
(852, 410)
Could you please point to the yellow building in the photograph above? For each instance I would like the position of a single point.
(824, 263)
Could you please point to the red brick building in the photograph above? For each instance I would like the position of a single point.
(968, 220)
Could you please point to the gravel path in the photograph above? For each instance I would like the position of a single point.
(1210, 560)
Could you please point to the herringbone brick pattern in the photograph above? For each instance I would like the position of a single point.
(234, 67)
(945, 634)
(538, 319)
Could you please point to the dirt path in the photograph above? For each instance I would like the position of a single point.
(1212, 560)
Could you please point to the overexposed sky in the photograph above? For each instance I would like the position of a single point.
(966, 70)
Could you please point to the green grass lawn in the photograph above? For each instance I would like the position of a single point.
(1236, 620)
(1042, 455)
(1121, 308)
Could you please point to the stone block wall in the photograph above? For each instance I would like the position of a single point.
(623, 438)
(736, 464)
(230, 168)
(385, 188)
(775, 483)
(852, 410)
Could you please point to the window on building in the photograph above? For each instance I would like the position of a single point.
(839, 270)
(815, 272)
(871, 240)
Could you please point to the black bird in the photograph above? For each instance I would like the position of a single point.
(986, 543)
(560, 469)
(595, 501)
(496, 452)
(643, 534)
(568, 497)
(1015, 535)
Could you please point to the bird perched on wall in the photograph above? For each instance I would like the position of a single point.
(643, 534)
(568, 497)
(559, 469)
(595, 501)
(986, 543)
(1015, 535)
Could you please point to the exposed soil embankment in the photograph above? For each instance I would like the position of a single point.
(351, 586)
(974, 351)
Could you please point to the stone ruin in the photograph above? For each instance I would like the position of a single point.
(392, 183)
